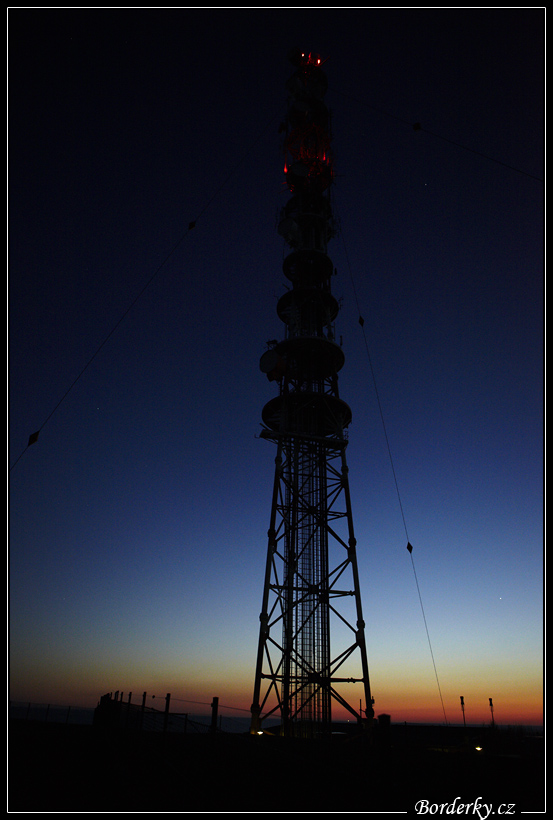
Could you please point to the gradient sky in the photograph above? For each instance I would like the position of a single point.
(138, 520)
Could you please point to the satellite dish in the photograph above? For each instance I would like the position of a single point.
(268, 361)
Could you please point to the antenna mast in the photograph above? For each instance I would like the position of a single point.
(311, 589)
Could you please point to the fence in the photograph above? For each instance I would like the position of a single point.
(113, 710)
(50, 713)
(117, 709)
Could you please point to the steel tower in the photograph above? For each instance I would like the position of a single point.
(311, 589)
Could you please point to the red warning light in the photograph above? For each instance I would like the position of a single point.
(304, 58)
(310, 59)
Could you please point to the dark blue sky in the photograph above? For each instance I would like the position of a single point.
(139, 518)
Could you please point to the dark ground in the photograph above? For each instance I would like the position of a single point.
(64, 768)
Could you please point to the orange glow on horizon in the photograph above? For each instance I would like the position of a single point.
(412, 709)
(408, 698)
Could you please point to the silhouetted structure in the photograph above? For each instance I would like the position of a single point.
(311, 589)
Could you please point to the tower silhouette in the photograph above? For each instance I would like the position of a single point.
(311, 650)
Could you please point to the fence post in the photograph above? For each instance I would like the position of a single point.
(128, 709)
(166, 716)
(214, 708)
(142, 709)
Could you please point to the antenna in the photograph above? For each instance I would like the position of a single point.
(311, 649)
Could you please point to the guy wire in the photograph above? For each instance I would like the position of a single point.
(409, 547)
(34, 436)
